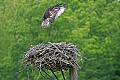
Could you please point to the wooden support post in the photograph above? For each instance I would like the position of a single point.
(73, 74)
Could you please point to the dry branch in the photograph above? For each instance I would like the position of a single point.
(51, 55)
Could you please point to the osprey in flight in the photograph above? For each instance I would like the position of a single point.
(51, 14)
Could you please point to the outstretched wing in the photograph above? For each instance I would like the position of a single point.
(51, 14)
(60, 11)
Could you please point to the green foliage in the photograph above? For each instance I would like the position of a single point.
(93, 25)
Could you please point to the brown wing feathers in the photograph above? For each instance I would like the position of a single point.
(49, 15)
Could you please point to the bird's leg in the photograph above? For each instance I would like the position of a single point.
(49, 31)
(52, 19)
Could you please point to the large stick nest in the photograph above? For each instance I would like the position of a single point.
(52, 55)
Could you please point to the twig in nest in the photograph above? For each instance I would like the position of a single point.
(50, 56)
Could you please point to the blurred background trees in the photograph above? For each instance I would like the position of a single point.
(93, 25)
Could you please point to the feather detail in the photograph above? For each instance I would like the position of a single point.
(51, 14)
(45, 23)
(61, 10)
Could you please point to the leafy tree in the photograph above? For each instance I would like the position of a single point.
(93, 25)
